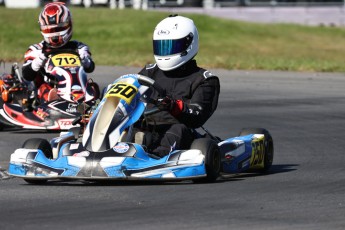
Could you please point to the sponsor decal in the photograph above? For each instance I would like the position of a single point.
(65, 123)
(163, 32)
(121, 148)
(82, 154)
(74, 146)
(72, 108)
(41, 113)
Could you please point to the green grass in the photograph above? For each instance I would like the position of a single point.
(124, 38)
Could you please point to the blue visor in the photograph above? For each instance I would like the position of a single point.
(170, 47)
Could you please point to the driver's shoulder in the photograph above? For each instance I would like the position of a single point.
(75, 44)
(36, 47)
(33, 51)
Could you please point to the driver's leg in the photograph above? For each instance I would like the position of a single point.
(176, 136)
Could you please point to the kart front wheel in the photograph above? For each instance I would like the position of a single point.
(269, 149)
(210, 150)
(41, 144)
(45, 147)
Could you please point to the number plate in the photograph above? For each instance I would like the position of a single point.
(66, 60)
(258, 152)
(123, 91)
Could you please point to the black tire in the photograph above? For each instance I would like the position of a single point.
(210, 150)
(42, 144)
(269, 148)
(39, 143)
(95, 89)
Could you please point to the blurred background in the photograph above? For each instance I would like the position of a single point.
(143, 4)
(287, 35)
(305, 12)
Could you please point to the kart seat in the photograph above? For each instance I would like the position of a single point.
(138, 136)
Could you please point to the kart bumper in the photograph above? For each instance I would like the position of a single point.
(32, 164)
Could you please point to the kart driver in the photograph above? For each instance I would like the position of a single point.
(191, 92)
(55, 22)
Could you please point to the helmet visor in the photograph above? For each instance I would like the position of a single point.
(171, 46)
(55, 28)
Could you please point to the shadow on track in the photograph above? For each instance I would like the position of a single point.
(275, 169)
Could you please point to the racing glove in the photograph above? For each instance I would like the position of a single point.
(86, 62)
(167, 103)
(85, 58)
(38, 62)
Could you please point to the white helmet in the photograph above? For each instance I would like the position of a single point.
(175, 42)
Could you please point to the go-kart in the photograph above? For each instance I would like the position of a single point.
(110, 147)
(13, 88)
(72, 94)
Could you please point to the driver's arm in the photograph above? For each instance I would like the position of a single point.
(34, 60)
(86, 59)
(198, 110)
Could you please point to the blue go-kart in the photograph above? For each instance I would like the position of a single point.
(110, 147)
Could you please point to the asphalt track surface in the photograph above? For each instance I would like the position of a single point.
(305, 188)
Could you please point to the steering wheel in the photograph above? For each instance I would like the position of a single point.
(150, 82)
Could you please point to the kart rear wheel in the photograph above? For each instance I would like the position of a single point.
(269, 149)
(210, 150)
(45, 147)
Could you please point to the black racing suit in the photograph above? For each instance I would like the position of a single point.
(196, 92)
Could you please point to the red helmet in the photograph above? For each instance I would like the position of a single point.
(56, 24)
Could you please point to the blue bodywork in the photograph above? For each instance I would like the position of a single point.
(132, 162)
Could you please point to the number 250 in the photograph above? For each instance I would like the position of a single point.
(124, 90)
